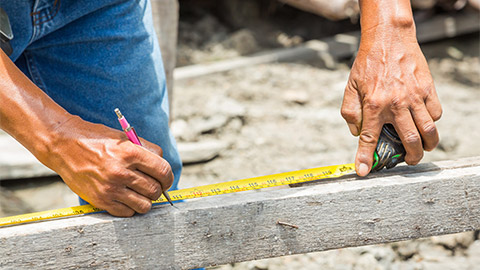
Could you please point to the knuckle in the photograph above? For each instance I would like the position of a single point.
(429, 128)
(157, 150)
(412, 138)
(119, 172)
(415, 98)
(349, 114)
(155, 191)
(107, 191)
(398, 103)
(130, 153)
(165, 170)
(428, 89)
(372, 105)
(367, 138)
(144, 207)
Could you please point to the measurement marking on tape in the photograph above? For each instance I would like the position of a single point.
(260, 182)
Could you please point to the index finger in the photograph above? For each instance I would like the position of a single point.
(152, 147)
(154, 166)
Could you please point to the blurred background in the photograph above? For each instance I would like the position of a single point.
(256, 89)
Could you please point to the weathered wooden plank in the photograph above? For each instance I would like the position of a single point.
(440, 198)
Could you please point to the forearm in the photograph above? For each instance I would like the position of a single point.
(386, 17)
(26, 112)
(96, 162)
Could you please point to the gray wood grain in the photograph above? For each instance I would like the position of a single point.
(408, 203)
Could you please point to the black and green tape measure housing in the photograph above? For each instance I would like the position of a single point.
(389, 151)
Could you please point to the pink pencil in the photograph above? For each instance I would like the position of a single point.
(133, 137)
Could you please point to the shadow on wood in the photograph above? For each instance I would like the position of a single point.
(415, 202)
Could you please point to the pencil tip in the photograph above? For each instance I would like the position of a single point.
(165, 193)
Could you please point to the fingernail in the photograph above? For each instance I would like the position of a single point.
(353, 129)
(362, 169)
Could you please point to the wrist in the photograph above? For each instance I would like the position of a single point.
(387, 18)
(400, 19)
(397, 32)
(45, 133)
(402, 22)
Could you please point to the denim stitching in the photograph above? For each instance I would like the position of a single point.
(35, 29)
(48, 14)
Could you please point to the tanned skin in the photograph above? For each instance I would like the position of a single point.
(98, 163)
(389, 83)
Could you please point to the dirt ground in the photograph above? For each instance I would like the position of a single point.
(286, 116)
(280, 117)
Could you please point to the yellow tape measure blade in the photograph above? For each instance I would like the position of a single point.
(49, 214)
(260, 182)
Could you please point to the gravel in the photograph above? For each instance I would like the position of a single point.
(286, 116)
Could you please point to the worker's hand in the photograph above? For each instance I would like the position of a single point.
(98, 163)
(390, 82)
(103, 167)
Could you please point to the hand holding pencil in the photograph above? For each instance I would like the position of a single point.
(133, 137)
